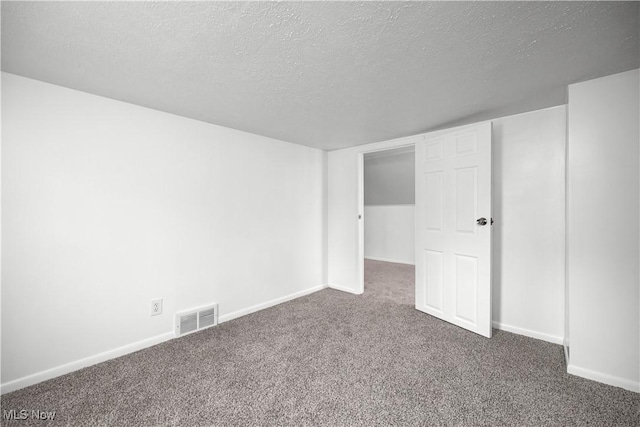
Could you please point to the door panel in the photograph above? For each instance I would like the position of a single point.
(434, 209)
(466, 284)
(453, 190)
(466, 211)
(434, 279)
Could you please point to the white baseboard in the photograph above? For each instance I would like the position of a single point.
(139, 345)
(604, 378)
(343, 289)
(529, 333)
(38, 377)
(243, 312)
(395, 261)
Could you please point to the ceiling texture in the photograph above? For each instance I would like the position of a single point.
(323, 74)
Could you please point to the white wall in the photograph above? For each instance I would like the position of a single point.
(602, 229)
(528, 236)
(344, 267)
(528, 188)
(390, 177)
(389, 233)
(107, 205)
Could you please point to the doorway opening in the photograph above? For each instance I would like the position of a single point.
(452, 226)
(388, 223)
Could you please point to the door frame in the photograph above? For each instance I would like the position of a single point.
(409, 141)
(389, 145)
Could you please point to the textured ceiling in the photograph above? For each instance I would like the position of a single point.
(323, 74)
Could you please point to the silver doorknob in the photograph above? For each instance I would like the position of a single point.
(481, 221)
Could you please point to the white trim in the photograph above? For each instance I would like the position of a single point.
(361, 217)
(139, 345)
(528, 333)
(361, 150)
(389, 144)
(604, 378)
(389, 206)
(392, 152)
(344, 288)
(388, 260)
(83, 363)
(244, 311)
(566, 354)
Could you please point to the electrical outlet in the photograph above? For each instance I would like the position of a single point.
(156, 307)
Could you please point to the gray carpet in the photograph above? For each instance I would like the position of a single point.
(334, 359)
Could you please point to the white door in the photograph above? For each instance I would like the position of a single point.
(453, 226)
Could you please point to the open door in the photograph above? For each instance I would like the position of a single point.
(453, 226)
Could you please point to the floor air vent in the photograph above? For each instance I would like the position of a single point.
(196, 319)
(188, 323)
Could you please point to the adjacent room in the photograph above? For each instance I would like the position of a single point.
(320, 213)
(389, 223)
